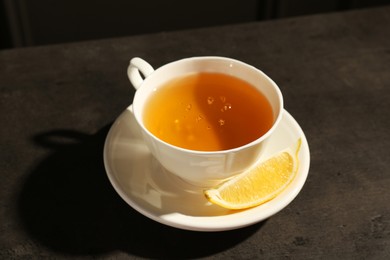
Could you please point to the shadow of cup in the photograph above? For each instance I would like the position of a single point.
(68, 205)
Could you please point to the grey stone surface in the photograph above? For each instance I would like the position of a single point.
(57, 103)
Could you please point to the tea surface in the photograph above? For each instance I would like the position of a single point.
(208, 112)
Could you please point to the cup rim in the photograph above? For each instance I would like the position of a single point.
(232, 150)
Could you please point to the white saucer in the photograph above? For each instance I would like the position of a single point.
(144, 185)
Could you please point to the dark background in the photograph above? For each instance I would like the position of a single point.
(40, 22)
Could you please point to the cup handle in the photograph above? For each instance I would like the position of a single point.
(137, 67)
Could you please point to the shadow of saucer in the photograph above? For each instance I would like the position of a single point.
(68, 205)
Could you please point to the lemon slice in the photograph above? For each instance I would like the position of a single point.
(260, 183)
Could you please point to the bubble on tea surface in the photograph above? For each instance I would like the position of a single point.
(188, 107)
(198, 118)
(177, 125)
(221, 122)
(210, 100)
(226, 107)
(223, 99)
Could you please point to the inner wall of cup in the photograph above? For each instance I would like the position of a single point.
(214, 64)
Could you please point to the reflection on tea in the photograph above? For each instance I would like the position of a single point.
(208, 112)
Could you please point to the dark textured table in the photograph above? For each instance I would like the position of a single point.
(58, 102)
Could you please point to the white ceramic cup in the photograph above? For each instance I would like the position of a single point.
(201, 168)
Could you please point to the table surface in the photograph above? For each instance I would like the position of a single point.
(57, 103)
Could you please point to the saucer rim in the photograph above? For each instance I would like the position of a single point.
(212, 223)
